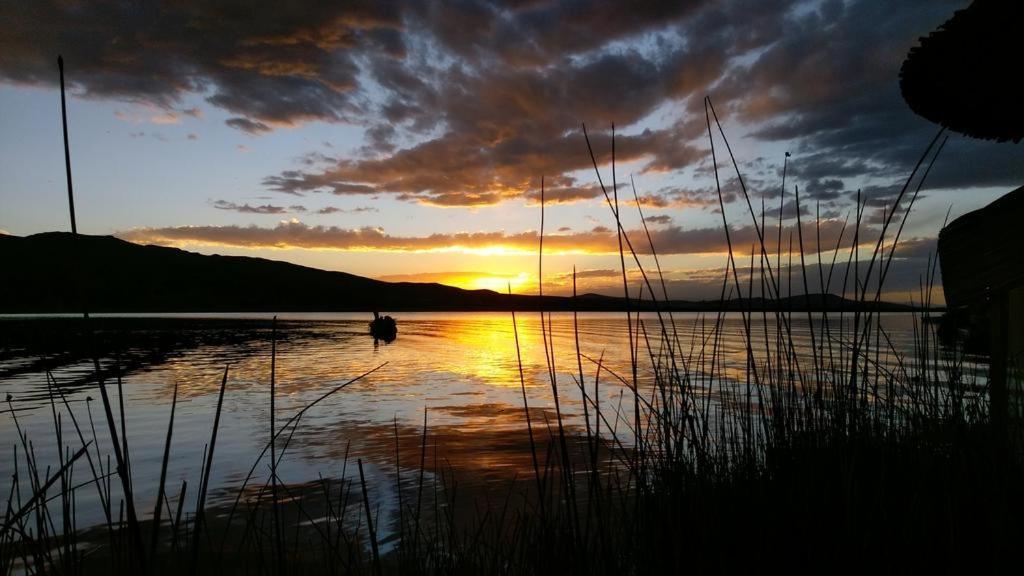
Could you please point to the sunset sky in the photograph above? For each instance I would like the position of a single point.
(407, 140)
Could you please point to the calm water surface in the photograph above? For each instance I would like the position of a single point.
(459, 368)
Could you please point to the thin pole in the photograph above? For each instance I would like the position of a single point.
(122, 465)
(67, 149)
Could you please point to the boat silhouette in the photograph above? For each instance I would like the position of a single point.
(383, 328)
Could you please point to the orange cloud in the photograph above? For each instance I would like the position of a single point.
(292, 233)
(166, 118)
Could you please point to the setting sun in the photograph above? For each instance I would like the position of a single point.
(511, 287)
(499, 283)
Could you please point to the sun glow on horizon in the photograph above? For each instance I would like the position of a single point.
(500, 283)
(518, 282)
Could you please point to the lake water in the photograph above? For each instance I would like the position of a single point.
(459, 368)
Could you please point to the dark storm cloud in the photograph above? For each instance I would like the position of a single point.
(469, 103)
(831, 84)
(270, 62)
(533, 33)
(458, 169)
(823, 77)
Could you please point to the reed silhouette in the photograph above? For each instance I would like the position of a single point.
(835, 462)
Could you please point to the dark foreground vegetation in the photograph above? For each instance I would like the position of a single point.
(843, 455)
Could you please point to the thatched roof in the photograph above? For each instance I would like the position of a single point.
(965, 74)
(982, 252)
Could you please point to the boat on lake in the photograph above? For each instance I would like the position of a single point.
(383, 327)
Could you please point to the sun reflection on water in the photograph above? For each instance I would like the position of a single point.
(461, 368)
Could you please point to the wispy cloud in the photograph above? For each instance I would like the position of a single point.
(252, 127)
(599, 240)
(356, 210)
(247, 209)
(659, 219)
(166, 118)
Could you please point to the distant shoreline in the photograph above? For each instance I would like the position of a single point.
(269, 313)
(53, 273)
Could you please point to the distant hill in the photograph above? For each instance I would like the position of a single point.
(43, 273)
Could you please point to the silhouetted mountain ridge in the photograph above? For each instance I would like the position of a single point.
(43, 275)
